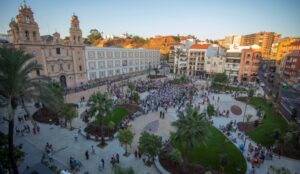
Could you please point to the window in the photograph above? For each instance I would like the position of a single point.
(78, 39)
(101, 64)
(247, 62)
(58, 51)
(37, 72)
(27, 19)
(124, 63)
(52, 68)
(69, 66)
(74, 38)
(80, 68)
(27, 35)
(101, 74)
(92, 65)
(34, 35)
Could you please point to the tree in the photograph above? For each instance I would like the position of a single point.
(94, 36)
(220, 78)
(210, 110)
(192, 129)
(125, 137)
(294, 114)
(15, 82)
(248, 117)
(135, 97)
(131, 87)
(175, 155)
(5, 164)
(250, 95)
(177, 54)
(100, 106)
(69, 113)
(149, 145)
(156, 71)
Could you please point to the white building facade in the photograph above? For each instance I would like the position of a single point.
(214, 60)
(107, 62)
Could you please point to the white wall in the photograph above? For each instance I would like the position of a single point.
(105, 62)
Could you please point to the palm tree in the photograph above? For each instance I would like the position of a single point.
(193, 129)
(178, 53)
(250, 95)
(69, 113)
(16, 83)
(125, 137)
(100, 106)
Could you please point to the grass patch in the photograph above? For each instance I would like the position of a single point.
(272, 121)
(117, 116)
(209, 154)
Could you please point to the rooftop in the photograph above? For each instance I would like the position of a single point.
(199, 46)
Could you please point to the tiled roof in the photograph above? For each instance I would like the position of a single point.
(199, 46)
(295, 43)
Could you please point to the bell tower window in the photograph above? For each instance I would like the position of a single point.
(27, 20)
(27, 35)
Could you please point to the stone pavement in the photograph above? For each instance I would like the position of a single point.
(65, 146)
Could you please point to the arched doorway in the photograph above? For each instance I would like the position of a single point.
(63, 81)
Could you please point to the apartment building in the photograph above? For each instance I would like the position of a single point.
(290, 67)
(196, 60)
(263, 39)
(249, 65)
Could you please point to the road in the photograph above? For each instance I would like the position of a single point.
(291, 96)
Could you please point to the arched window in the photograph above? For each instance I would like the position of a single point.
(74, 38)
(80, 68)
(34, 35)
(78, 38)
(27, 19)
(27, 35)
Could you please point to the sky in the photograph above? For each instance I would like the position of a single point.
(212, 19)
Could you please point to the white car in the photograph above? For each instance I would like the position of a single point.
(262, 84)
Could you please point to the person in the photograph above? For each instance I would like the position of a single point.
(135, 154)
(112, 161)
(87, 155)
(102, 161)
(34, 130)
(50, 156)
(117, 158)
(38, 129)
(93, 150)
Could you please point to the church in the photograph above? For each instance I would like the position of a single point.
(62, 59)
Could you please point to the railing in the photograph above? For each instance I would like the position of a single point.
(103, 81)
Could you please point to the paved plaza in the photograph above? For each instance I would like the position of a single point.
(65, 146)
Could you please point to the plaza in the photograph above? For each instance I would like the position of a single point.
(149, 87)
(65, 146)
